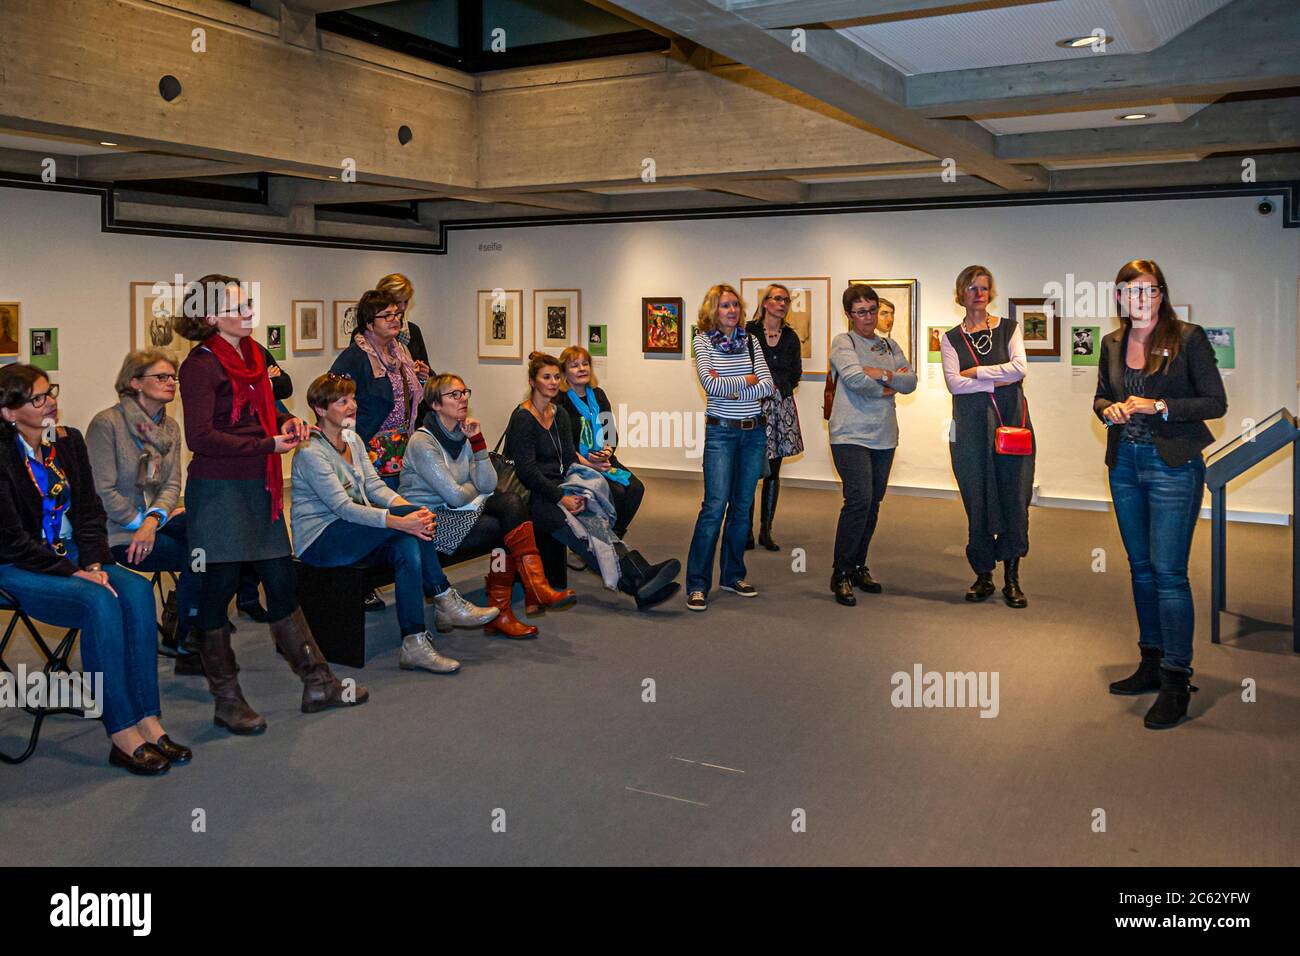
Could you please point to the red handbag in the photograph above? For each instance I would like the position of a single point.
(1009, 439)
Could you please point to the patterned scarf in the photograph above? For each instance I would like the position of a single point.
(728, 344)
(56, 493)
(397, 359)
(154, 442)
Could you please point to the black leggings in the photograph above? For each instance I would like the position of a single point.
(501, 514)
(219, 582)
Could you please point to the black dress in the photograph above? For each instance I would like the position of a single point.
(542, 456)
(785, 361)
(995, 489)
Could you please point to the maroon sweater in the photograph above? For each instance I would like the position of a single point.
(222, 449)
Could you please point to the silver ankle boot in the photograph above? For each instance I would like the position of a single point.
(455, 611)
(419, 653)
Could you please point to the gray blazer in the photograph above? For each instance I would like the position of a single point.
(862, 413)
(114, 460)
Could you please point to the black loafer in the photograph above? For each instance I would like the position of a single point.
(174, 752)
(147, 761)
(374, 602)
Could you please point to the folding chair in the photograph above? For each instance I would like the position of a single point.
(55, 660)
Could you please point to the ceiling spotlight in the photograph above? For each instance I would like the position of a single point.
(1077, 43)
(103, 143)
(1133, 116)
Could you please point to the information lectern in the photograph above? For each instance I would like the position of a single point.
(1236, 458)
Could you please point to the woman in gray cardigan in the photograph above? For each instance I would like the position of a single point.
(870, 370)
(135, 455)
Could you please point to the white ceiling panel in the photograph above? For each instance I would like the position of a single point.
(1092, 119)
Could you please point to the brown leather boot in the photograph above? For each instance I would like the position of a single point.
(538, 593)
(500, 589)
(222, 671)
(320, 688)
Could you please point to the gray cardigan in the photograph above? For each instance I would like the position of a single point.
(862, 413)
(431, 477)
(327, 489)
(114, 461)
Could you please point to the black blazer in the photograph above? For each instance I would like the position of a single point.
(22, 542)
(1190, 385)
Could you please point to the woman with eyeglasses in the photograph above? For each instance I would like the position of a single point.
(400, 287)
(870, 370)
(135, 451)
(591, 418)
(984, 366)
(1158, 383)
(56, 561)
(235, 500)
(389, 384)
(783, 353)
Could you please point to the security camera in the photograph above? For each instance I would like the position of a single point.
(1265, 208)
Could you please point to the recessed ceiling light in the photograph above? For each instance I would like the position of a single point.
(102, 143)
(1133, 116)
(333, 177)
(1076, 43)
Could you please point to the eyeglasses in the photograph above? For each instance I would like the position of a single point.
(244, 311)
(163, 377)
(38, 401)
(779, 298)
(399, 315)
(338, 376)
(456, 394)
(1143, 291)
(976, 289)
(862, 313)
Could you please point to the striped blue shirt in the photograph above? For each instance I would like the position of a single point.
(729, 396)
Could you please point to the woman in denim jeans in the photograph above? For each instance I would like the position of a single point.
(1157, 384)
(735, 377)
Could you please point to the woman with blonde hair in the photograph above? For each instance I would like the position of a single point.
(592, 421)
(984, 365)
(401, 289)
(734, 375)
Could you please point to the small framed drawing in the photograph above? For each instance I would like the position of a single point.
(809, 314)
(154, 308)
(661, 325)
(275, 341)
(10, 328)
(598, 340)
(1040, 325)
(500, 323)
(308, 327)
(44, 350)
(557, 313)
(345, 322)
(898, 313)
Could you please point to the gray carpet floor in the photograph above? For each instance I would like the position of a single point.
(766, 712)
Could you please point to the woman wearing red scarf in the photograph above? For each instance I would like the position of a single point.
(235, 499)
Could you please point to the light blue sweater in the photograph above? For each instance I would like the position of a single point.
(327, 489)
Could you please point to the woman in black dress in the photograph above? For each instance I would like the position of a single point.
(983, 366)
(784, 354)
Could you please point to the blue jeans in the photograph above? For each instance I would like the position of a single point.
(170, 553)
(416, 569)
(733, 461)
(117, 633)
(1157, 507)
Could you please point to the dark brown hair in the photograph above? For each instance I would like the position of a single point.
(1166, 340)
(858, 293)
(371, 304)
(192, 323)
(328, 389)
(16, 384)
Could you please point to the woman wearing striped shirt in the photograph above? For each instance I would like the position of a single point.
(735, 378)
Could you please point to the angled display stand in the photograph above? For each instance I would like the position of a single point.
(1236, 458)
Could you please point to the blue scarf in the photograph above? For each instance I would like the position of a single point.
(592, 437)
(732, 344)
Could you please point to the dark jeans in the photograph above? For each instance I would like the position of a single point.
(117, 633)
(170, 553)
(219, 582)
(416, 569)
(1157, 507)
(733, 460)
(501, 514)
(627, 501)
(865, 475)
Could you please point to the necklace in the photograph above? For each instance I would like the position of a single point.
(981, 340)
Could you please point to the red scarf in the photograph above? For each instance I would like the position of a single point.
(251, 386)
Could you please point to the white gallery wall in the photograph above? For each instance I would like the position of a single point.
(1232, 266)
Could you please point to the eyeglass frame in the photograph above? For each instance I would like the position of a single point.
(38, 401)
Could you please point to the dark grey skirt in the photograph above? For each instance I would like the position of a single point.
(231, 521)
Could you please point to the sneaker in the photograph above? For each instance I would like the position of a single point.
(455, 611)
(418, 652)
(741, 587)
(696, 601)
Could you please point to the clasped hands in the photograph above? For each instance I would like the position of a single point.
(1120, 412)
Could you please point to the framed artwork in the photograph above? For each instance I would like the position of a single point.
(809, 315)
(44, 349)
(661, 325)
(1223, 340)
(10, 328)
(1040, 325)
(500, 323)
(598, 340)
(934, 344)
(154, 308)
(345, 322)
(900, 294)
(1085, 345)
(695, 330)
(558, 318)
(308, 325)
(275, 341)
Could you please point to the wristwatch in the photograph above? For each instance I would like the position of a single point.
(1162, 408)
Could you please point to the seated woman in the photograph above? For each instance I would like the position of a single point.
(540, 440)
(594, 436)
(135, 453)
(55, 559)
(343, 514)
(447, 470)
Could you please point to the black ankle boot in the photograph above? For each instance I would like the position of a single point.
(863, 581)
(842, 588)
(983, 587)
(649, 584)
(1146, 678)
(1011, 584)
(1171, 704)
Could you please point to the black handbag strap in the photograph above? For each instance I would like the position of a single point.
(496, 449)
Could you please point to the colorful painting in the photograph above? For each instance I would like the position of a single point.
(661, 325)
